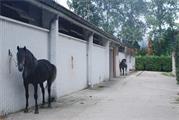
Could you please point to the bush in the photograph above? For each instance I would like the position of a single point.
(154, 63)
(177, 59)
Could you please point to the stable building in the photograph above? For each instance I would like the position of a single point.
(83, 54)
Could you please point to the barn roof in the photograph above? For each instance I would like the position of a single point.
(62, 11)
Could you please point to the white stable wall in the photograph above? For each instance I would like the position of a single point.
(70, 58)
(71, 64)
(13, 33)
(121, 56)
(133, 62)
(99, 64)
(130, 60)
(130, 63)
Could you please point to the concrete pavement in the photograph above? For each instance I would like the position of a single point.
(140, 96)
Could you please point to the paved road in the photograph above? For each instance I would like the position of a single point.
(141, 96)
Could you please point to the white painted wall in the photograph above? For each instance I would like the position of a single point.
(117, 65)
(13, 33)
(119, 58)
(133, 62)
(71, 65)
(71, 62)
(99, 64)
(130, 61)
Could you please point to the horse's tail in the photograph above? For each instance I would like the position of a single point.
(54, 73)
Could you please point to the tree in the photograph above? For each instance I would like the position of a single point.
(150, 47)
(160, 14)
(160, 18)
(132, 24)
(118, 17)
(86, 9)
(129, 19)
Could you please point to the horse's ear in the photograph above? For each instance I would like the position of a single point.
(18, 48)
(24, 47)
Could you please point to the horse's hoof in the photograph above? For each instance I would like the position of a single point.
(26, 111)
(42, 105)
(36, 112)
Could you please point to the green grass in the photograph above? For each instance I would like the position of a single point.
(169, 74)
(177, 100)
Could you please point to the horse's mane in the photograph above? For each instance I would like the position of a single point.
(31, 60)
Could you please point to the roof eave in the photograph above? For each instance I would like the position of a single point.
(67, 14)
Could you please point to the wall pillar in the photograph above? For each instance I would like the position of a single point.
(90, 61)
(117, 74)
(107, 60)
(53, 36)
(173, 63)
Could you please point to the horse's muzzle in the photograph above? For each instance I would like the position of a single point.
(20, 67)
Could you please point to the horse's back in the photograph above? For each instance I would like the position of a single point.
(44, 70)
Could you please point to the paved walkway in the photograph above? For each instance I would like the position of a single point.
(141, 96)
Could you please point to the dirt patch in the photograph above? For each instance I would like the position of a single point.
(139, 73)
(104, 85)
(2, 117)
(97, 88)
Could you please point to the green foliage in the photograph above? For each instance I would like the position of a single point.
(154, 63)
(164, 45)
(169, 74)
(161, 13)
(177, 58)
(86, 9)
(132, 26)
(142, 52)
(118, 17)
(129, 19)
(160, 18)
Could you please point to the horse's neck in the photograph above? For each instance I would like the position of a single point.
(30, 62)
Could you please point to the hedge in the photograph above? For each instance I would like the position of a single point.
(154, 63)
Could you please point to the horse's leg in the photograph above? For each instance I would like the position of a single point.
(123, 71)
(49, 93)
(27, 97)
(43, 93)
(126, 70)
(36, 97)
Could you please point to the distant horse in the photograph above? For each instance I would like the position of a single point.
(35, 72)
(123, 66)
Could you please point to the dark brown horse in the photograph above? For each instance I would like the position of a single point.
(35, 72)
(123, 66)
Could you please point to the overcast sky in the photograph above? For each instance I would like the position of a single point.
(62, 2)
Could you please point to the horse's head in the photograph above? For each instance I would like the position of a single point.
(21, 56)
(124, 60)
